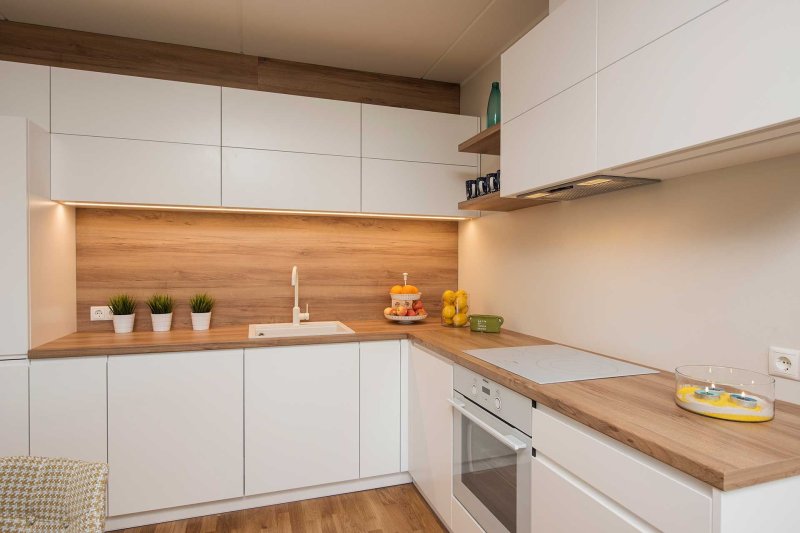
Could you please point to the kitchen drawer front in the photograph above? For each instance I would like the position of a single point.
(272, 121)
(670, 501)
(555, 55)
(129, 107)
(402, 187)
(624, 26)
(553, 142)
(287, 180)
(96, 169)
(413, 135)
(684, 90)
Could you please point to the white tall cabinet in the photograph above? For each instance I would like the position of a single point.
(301, 416)
(175, 434)
(430, 428)
(14, 407)
(25, 92)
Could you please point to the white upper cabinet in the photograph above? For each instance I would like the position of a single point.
(402, 187)
(556, 54)
(553, 142)
(175, 429)
(68, 414)
(702, 82)
(96, 169)
(412, 135)
(288, 180)
(624, 26)
(272, 121)
(25, 92)
(379, 444)
(129, 107)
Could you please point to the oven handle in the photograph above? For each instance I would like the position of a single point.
(507, 440)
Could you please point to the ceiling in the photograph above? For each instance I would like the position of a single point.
(445, 40)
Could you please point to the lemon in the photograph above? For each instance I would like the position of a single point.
(448, 297)
(459, 320)
(448, 311)
(461, 302)
(461, 292)
(448, 321)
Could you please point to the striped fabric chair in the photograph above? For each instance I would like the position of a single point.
(41, 494)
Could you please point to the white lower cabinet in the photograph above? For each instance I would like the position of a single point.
(430, 429)
(301, 416)
(174, 429)
(14, 407)
(379, 448)
(68, 415)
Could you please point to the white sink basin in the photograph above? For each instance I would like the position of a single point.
(305, 329)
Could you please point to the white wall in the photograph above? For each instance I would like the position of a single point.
(698, 269)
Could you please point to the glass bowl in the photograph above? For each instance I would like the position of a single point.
(724, 392)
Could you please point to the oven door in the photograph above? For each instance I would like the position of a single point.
(491, 469)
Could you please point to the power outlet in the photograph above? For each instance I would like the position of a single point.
(784, 362)
(100, 312)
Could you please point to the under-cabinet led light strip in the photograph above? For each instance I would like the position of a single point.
(256, 211)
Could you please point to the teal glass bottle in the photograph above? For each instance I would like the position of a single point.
(493, 109)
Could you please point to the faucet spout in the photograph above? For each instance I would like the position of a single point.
(297, 316)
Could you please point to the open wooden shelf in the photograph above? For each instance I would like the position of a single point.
(486, 142)
(494, 202)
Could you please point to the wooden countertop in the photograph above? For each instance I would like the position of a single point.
(636, 410)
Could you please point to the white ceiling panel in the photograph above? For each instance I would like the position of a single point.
(214, 24)
(501, 25)
(389, 36)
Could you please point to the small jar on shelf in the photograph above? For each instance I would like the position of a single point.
(455, 306)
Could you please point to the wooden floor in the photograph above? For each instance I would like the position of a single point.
(391, 509)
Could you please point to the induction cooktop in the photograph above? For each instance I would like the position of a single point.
(554, 363)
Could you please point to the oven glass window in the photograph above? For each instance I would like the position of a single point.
(489, 471)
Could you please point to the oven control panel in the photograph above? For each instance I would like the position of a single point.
(493, 397)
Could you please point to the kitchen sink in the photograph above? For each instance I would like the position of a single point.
(305, 329)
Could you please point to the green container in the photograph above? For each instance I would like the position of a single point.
(485, 323)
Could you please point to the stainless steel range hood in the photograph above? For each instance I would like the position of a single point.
(587, 186)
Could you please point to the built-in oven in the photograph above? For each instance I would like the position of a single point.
(492, 453)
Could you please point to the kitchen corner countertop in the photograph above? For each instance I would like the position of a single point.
(635, 410)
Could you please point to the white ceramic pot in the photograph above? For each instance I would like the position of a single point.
(201, 321)
(162, 322)
(123, 323)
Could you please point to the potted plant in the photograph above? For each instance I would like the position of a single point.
(123, 308)
(201, 305)
(161, 311)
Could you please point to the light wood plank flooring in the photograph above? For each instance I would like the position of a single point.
(391, 509)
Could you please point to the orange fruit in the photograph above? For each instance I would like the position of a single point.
(397, 289)
(410, 289)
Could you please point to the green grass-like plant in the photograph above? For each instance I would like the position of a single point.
(160, 304)
(201, 303)
(122, 304)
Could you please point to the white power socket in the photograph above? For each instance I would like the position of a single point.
(784, 362)
(100, 312)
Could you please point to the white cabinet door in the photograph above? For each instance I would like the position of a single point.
(68, 414)
(14, 236)
(272, 121)
(430, 429)
(175, 429)
(287, 180)
(380, 408)
(701, 82)
(14, 407)
(624, 26)
(413, 135)
(301, 416)
(25, 92)
(557, 53)
(129, 107)
(560, 503)
(402, 187)
(95, 169)
(553, 142)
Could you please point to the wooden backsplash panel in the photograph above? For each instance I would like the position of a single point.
(244, 260)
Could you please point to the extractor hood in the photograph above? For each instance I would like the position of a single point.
(587, 186)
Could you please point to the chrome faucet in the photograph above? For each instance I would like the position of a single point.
(297, 316)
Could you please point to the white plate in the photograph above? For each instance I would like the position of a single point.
(405, 319)
(405, 296)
